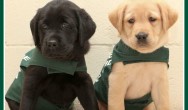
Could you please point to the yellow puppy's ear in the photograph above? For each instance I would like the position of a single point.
(116, 17)
(168, 15)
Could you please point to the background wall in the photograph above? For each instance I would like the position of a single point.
(18, 40)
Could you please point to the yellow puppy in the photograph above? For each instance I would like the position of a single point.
(137, 81)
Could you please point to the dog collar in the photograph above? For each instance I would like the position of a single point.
(122, 52)
(34, 57)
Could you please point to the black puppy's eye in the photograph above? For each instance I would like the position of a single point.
(64, 25)
(152, 19)
(44, 26)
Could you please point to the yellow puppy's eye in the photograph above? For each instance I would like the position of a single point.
(152, 19)
(131, 21)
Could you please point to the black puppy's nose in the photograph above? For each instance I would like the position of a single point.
(52, 44)
(141, 36)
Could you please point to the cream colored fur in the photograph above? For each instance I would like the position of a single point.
(136, 80)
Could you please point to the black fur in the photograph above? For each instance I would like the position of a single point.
(66, 23)
(60, 30)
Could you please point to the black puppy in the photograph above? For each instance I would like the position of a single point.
(61, 31)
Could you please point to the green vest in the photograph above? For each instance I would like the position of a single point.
(34, 57)
(125, 54)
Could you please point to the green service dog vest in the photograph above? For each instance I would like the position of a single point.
(34, 57)
(125, 54)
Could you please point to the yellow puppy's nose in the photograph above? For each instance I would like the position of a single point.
(141, 36)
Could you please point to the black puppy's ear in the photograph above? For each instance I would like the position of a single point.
(34, 29)
(86, 26)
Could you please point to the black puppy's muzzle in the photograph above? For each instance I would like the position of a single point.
(52, 44)
(56, 48)
(142, 37)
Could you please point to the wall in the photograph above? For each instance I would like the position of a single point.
(18, 40)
